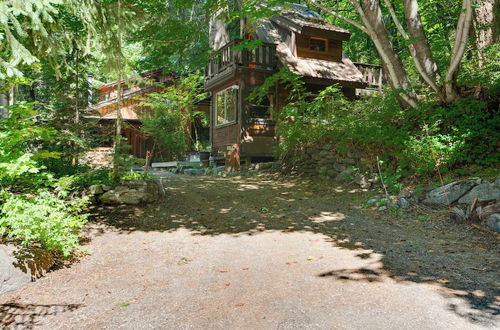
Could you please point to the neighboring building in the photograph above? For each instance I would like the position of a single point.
(297, 39)
(132, 111)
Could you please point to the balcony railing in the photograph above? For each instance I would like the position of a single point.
(263, 57)
(373, 74)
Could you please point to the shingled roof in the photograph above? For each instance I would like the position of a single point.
(344, 71)
(305, 23)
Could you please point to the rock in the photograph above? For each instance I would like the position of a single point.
(457, 215)
(115, 197)
(96, 189)
(264, 166)
(487, 211)
(363, 182)
(132, 193)
(106, 188)
(450, 193)
(120, 188)
(403, 203)
(493, 222)
(345, 175)
(192, 171)
(406, 193)
(332, 173)
(327, 147)
(20, 266)
(484, 192)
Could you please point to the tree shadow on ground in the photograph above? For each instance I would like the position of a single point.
(417, 246)
(26, 316)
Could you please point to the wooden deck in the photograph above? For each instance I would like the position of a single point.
(231, 57)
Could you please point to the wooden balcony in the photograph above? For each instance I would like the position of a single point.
(229, 57)
(373, 74)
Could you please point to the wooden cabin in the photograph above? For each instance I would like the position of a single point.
(131, 110)
(297, 39)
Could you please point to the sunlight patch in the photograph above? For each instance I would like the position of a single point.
(248, 186)
(328, 216)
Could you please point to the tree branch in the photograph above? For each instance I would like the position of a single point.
(337, 15)
(459, 47)
(414, 53)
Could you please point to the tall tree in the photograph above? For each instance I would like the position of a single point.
(372, 23)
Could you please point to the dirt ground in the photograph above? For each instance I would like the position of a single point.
(265, 252)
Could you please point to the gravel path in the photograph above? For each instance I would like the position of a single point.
(266, 253)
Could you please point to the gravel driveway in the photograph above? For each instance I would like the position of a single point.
(266, 253)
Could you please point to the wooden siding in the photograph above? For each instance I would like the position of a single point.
(130, 109)
(225, 135)
(333, 52)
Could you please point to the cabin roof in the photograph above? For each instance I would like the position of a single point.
(344, 71)
(146, 75)
(127, 114)
(298, 22)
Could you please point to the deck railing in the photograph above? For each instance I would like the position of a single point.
(373, 74)
(262, 57)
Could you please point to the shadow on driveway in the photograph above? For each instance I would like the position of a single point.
(418, 246)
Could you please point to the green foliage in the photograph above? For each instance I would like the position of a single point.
(20, 138)
(173, 114)
(28, 212)
(412, 141)
(45, 219)
(131, 175)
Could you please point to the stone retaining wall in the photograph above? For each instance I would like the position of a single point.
(327, 161)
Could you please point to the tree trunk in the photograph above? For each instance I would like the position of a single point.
(3, 102)
(74, 161)
(371, 15)
(458, 51)
(118, 132)
(483, 24)
(427, 67)
(119, 119)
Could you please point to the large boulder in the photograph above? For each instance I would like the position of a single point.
(132, 193)
(96, 189)
(20, 266)
(484, 192)
(493, 222)
(451, 192)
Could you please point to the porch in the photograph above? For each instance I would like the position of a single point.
(233, 56)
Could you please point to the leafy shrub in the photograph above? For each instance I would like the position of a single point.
(173, 115)
(414, 141)
(131, 175)
(45, 219)
(19, 152)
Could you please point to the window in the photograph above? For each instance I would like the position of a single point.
(226, 105)
(318, 45)
(263, 109)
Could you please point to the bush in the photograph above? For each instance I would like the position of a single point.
(45, 219)
(411, 140)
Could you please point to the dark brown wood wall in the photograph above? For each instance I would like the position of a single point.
(225, 135)
(333, 53)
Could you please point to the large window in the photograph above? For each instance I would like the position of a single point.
(226, 105)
